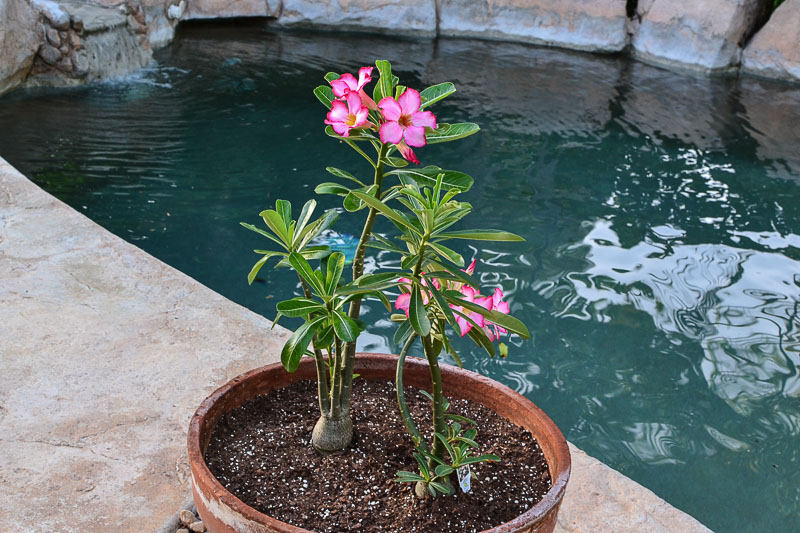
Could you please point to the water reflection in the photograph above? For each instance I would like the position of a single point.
(740, 305)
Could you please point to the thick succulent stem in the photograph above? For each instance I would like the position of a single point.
(439, 424)
(401, 397)
(332, 434)
(358, 270)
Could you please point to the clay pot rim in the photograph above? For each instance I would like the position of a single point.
(551, 499)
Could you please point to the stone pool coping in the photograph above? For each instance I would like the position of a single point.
(105, 352)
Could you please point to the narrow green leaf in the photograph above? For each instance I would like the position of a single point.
(297, 344)
(417, 314)
(444, 470)
(495, 317)
(305, 216)
(434, 93)
(480, 459)
(367, 280)
(451, 132)
(263, 233)
(385, 210)
(355, 135)
(325, 95)
(481, 235)
(315, 228)
(447, 253)
(324, 337)
(459, 274)
(402, 333)
(447, 446)
(426, 177)
(384, 86)
(339, 173)
(261, 262)
(396, 162)
(346, 329)
(404, 476)
(299, 307)
(330, 76)
(274, 221)
(334, 273)
(305, 271)
(329, 187)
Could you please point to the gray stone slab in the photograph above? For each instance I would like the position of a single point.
(105, 354)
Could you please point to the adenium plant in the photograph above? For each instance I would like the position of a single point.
(438, 298)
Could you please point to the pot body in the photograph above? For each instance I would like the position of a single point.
(222, 512)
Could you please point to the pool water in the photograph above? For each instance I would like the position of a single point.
(660, 275)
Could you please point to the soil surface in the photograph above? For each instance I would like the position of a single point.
(262, 453)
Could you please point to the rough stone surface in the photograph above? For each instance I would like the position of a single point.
(204, 9)
(774, 52)
(54, 11)
(20, 37)
(416, 17)
(696, 35)
(49, 54)
(98, 338)
(597, 26)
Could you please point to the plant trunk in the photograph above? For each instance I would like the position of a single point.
(332, 434)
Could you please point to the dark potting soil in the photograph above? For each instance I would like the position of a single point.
(262, 453)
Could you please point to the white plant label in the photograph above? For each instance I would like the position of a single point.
(464, 478)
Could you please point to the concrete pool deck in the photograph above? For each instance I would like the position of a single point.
(105, 352)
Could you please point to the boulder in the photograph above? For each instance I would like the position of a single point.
(598, 26)
(417, 17)
(211, 9)
(774, 52)
(20, 37)
(703, 35)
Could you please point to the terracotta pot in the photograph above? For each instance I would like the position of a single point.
(222, 512)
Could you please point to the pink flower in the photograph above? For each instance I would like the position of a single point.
(471, 268)
(497, 305)
(405, 122)
(469, 295)
(344, 117)
(404, 300)
(348, 83)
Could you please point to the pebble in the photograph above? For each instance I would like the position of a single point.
(198, 527)
(187, 517)
(182, 530)
(49, 54)
(53, 37)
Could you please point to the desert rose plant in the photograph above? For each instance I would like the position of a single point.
(438, 298)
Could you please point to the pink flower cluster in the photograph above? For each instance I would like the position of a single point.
(490, 303)
(402, 123)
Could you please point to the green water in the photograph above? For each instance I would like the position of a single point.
(661, 271)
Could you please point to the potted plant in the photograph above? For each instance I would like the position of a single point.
(438, 298)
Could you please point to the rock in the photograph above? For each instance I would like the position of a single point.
(54, 12)
(49, 54)
(204, 9)
(20, 37)
(53, 37)
(96, 18)
(77, 23)
(64, 49)
(598, 25)
(697, 35)
(176, 11)
(75, 41)
(187, 517)
(774, 52)
(182, 530)
(64, 64)
(416, 17)
(80, 63)
(197, 527)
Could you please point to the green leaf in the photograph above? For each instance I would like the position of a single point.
(426, 177)
(384, 244)
(481, 235)
(496, 317)
(353, 203)
(397, 162)
(297, 344)
(339, 173)
(440, 301)
(330, 76)
(274, 221)
(305, 271)
(447, 253)
(444, 470)
(447, 446)
(355, 135)
(481, 339)
(480, 459)
(404, 476)
(325, 95)
(315, 228)
(325, 337)
(384, 85)
(263, 234)
(329, 187)
(459, 274)
(368, 280)
(254, 271)
(451, 132)
(346, 329)
(305, 216)
(435, 93)
(417, 314)
(334, 273)
(385, 210)
(402, 333)
(299, 307)
(443, 488)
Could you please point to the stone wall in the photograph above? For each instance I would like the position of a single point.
(67, 42)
